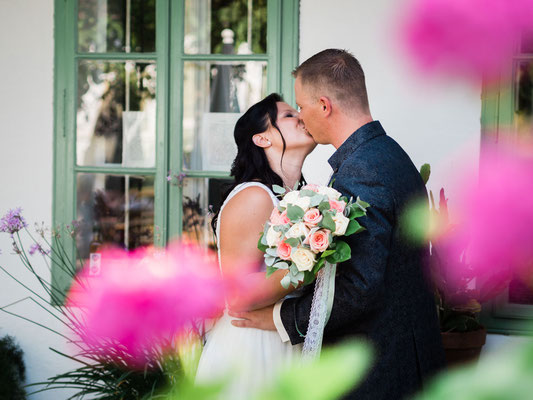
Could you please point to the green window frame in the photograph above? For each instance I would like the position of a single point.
(497, 115)
(281, 57)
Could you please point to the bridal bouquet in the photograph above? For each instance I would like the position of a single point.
(305, 230)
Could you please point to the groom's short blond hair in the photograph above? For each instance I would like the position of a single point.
(335, 73)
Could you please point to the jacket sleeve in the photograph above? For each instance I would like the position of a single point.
(359, 283)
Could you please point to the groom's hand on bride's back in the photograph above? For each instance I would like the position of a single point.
(260, 319)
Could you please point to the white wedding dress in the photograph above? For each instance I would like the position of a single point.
(246, 359)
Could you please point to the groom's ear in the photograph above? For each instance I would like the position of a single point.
(325, 104)
(261, 141)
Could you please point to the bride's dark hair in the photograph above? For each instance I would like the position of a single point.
(251, 163)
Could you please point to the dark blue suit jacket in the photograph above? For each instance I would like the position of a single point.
(381, 293)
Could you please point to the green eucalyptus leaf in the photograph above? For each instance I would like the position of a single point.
(296, 186)
(278, 189)
(269, 261)
(293, 269)
(270, 271)
(281, 265)
(286, 281)
(324, 206)
(327, 222)
(316, 200)
(271, 251)
(295, 213)
(307, 192)
(293, 242)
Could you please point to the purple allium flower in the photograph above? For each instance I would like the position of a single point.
(36, 247)
(13, 222)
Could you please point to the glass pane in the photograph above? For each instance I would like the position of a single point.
(225, 26)
(114, 209)
(215, 94)
(521, 289)
(116, 113)
(201, 198)
(526, 42)
(523, 107)
(116, 26)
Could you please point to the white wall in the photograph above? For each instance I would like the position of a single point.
(435, 122)
(431, 121)
(26, 125)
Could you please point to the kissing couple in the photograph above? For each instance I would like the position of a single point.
(380, 294)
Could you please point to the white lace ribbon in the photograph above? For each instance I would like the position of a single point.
(320, 311)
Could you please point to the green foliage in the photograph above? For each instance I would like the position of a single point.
(12, 370)
(294, 213)
(260, 244)
(353, 227)
(342, 253)
(331, 376)
(425, 172)
(278, 189)
(504, 375)
(293, 242)
(327, 222)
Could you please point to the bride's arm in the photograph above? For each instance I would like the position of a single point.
(241, 222)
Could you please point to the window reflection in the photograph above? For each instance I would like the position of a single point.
(116, 26)
(205, 21)
(215, 96)
(201, 199)
(114, 209)
(116, 113)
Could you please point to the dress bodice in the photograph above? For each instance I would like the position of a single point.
(240, 187)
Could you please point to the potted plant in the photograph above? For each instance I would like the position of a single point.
(459, 289)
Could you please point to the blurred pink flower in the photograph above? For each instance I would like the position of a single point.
(495, 223)
(465, 37)
(143, 298)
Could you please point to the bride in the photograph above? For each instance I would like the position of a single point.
(272, 145)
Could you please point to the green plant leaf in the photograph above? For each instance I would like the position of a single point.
(270, 270)
(286, 281)
(269, 260)
(353, 227)
(260, 244)
(293, 242)
(278, 189)
(307, 192)
(318, 266)
(271, 251)
(324, 206)
(356, 212)
(309, 277)
(327, 253)
(327, 222)
(328, 377)
(425, 172)
(281, 265)
(342, 253)
(361, 203)
(295, 213)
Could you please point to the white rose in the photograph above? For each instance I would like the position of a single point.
(341, 223)
(289, 198)
(297, 230)
(330, 192)
(294, 199)
(304, 259)
(272, 237)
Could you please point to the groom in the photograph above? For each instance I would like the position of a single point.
(380, 294)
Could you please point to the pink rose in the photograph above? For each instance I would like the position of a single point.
(277, 218)
(311, 186)
(284, 251)
(338, 205)
(312, 217)
(319, 241)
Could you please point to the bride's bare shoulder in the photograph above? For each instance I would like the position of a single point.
(253, 201)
